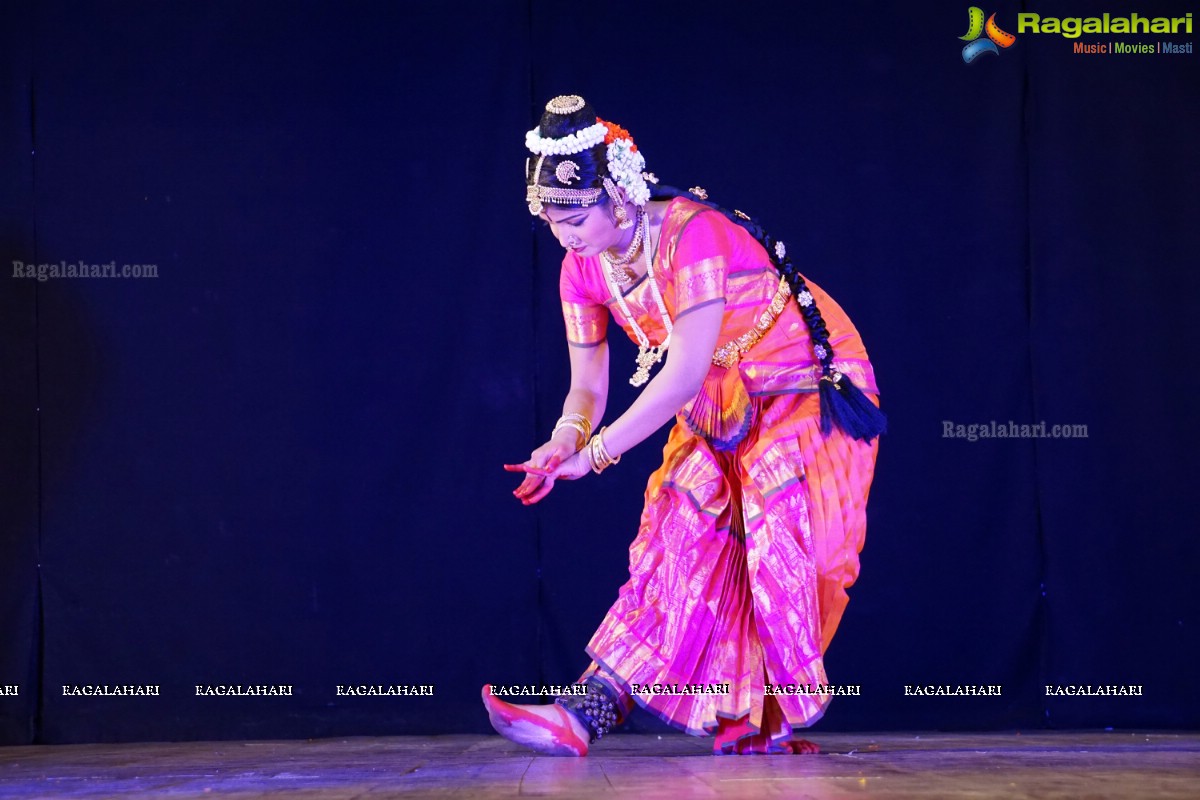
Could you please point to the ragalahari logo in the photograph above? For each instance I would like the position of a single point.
(975, 27)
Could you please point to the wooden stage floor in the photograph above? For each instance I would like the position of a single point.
(646, 767)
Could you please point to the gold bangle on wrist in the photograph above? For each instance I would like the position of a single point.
(577, 421)
(578, 429)
(597, 454)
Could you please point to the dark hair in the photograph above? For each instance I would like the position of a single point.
(592, 163)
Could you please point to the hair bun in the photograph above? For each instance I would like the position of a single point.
(566, 114)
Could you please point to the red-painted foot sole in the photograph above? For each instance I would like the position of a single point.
(551, 735)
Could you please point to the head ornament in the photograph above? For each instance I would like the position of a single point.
(625, 163)
(565, 104)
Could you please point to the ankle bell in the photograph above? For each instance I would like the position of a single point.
(596, 710)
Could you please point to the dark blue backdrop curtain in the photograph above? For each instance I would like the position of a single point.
(20, 610)
(278, 461)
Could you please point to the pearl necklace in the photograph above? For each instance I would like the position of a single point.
(647, 355)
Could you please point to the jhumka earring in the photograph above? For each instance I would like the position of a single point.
(623, 220)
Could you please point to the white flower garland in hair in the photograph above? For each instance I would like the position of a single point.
(625, 165)
(573, 143)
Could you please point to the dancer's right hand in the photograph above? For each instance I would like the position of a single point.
(541, 464)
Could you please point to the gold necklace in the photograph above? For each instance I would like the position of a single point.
(647, 355)
(617, 266)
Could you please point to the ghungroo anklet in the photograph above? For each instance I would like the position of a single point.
(596, 709)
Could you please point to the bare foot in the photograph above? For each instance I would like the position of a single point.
(550, 730)
(802, 747)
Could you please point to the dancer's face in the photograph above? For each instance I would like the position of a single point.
(584, 231)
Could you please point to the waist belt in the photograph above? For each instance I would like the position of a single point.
(729, 354)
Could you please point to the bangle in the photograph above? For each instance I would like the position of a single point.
(597, 453)
(578, 428)
(577, 421)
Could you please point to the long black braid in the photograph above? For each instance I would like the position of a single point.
(842, 403)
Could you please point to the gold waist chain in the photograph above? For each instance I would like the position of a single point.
(729, 354)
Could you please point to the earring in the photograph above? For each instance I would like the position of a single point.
(623, 220)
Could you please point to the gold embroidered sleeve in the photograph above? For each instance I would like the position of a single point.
(587, 325)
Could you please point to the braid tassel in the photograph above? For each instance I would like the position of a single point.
(843, 404)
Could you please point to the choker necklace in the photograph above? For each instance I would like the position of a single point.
(617, 266)
(647, 356)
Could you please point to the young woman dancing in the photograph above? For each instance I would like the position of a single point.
(753, 524)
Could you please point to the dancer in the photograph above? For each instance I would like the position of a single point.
(752, 525)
